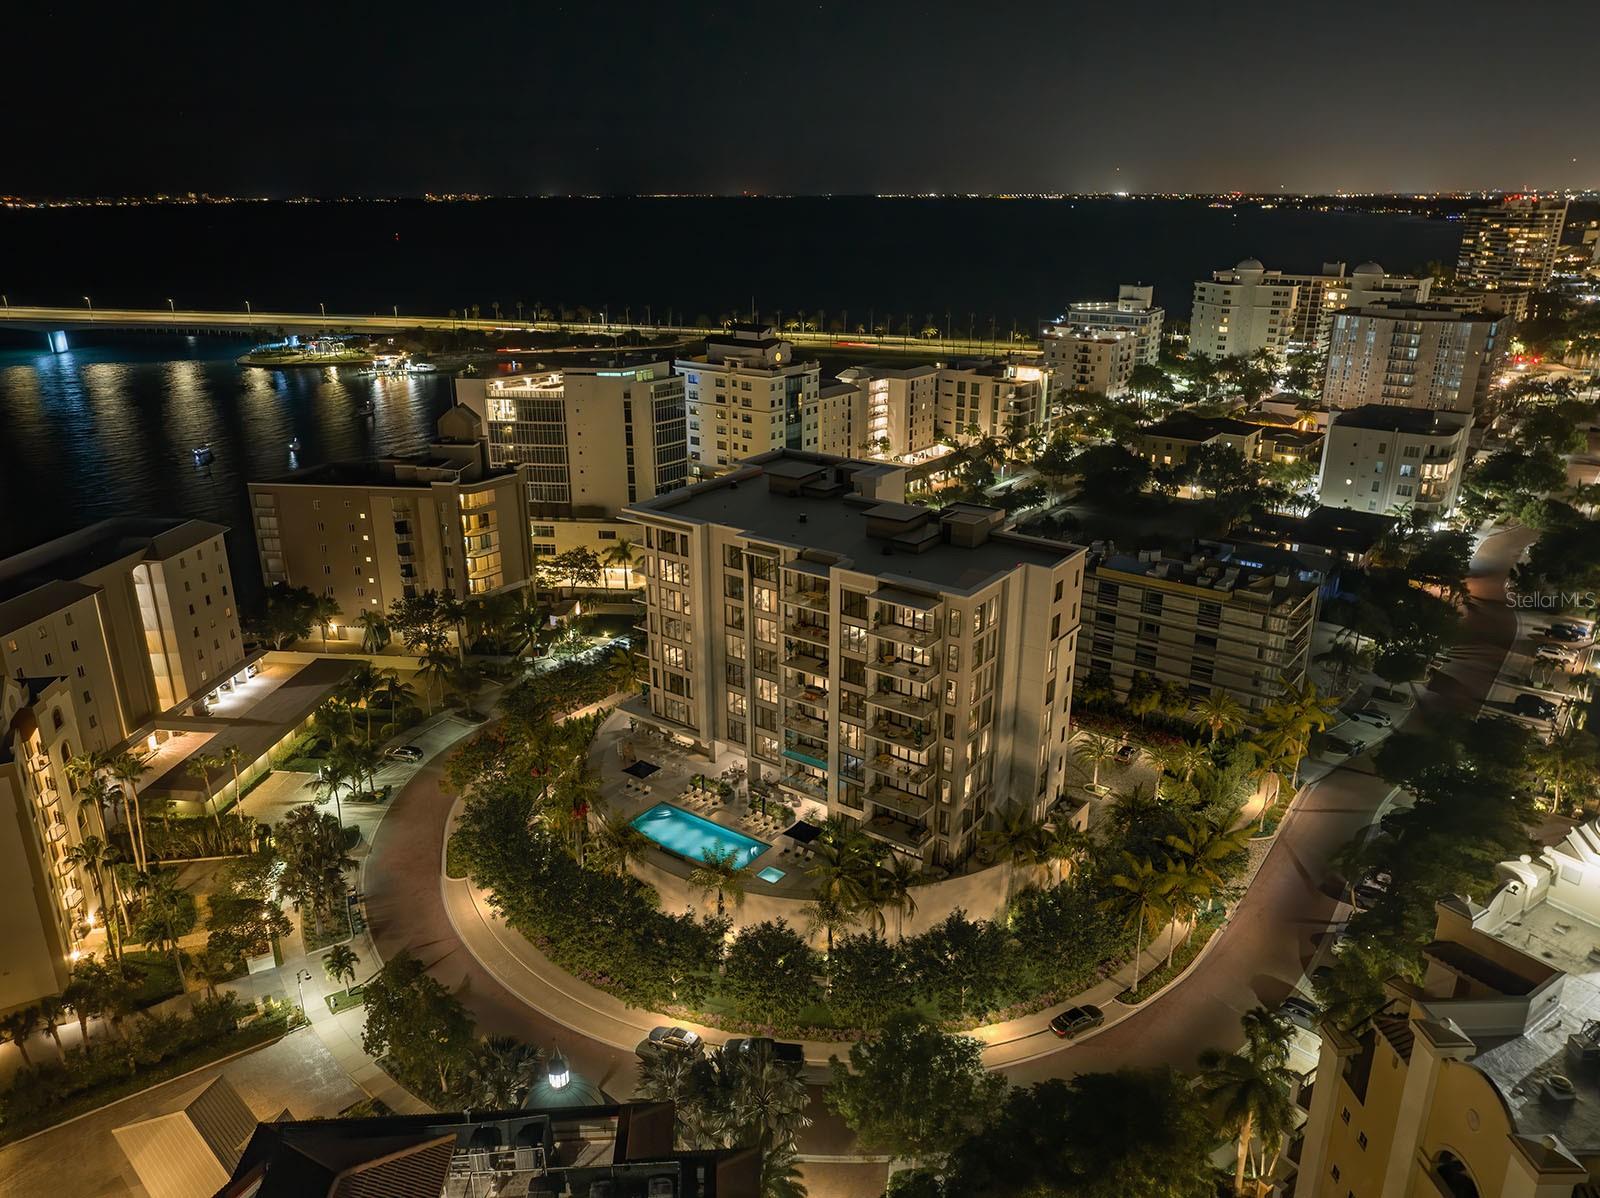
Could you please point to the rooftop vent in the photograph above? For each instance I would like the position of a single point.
(1558, 1088)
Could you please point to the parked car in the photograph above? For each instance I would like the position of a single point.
(1300, 1011)
(663, 1040)
(1566, 632)
(1534, 707)
(1074, 1021)
(1387, 694)
(404, 753)
(1372, 715)
(1339, 746)
(1126, 753)
(792, 1054)
(1555, 653)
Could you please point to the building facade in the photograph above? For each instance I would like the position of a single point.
(1379, 458)
(1203, 623)
(1242, 311)
(1412, 355)
(1321, 295)
(901, 405)
(748, 395)
(995, 398)
(1080, 358)
(1512, 245)
(1133, 311)
(905, 668)
(1169, 442)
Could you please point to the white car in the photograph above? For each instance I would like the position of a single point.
(1371, 715)
(1555, 653)
(404, 753)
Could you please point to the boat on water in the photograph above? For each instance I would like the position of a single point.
(365, 409)
(294, 445)
(202, 455)
(423, 368)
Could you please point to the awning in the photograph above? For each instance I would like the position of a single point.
(803, 833)
(641, 769)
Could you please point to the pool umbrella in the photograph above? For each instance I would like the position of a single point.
(803, 833)
(641, 769)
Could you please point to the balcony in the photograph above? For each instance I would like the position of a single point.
(905, 635)
(72, 899)
(815, 600)
(905, 802)
(805, 784)
(48, 797)
(899, 734)
(917, 709)
(900, 771)
(804, 724)
(817, 634)
(806, 693)
(808, 659)
(803, 758)
(55, 833)
(909, 670)
(910, 837)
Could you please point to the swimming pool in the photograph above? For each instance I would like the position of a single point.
(686, 834)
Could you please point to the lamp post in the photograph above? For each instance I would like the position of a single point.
(90, 302)
(323, 308)
(301, 977)
(172, 307)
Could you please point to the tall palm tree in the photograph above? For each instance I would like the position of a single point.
(397, 695)
(166, 915)
(1097, 749)
(616, 844)
(845, 867)
(339, 964)
(52, 1010)
(897, 881)
(1017, 838)
(230, 758)
(95, 855)
(127, 769)
(619, 555)
(435, 668)
(1220, 712)
(1248, 1093)
(18, 1026)
(361, 687)
(719, 871)
(502, 1072)
(206, 763)
(332, 778)
(829, 917)
(374, 631)
(1204, 847)
(1140, 903)
(1059, 845)
(323, 614)
(1184, 759)
(768, 1097)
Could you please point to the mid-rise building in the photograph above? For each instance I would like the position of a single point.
(747, 395)
(837, 422)
(1380, 457)
(101, 631)
(905, 668)
(1133, 311)
(1080, 358)
(590, 440)
(902, 408)
(1512, 245)
(1206, 623)
(1242, 311)
(1412, 355)
(995, 398)
(365, 533)
(1482, 1076)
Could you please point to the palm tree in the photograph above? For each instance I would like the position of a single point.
(1060, 843)
(397, 695)
(126, 769)
(619, 555)
(333, 777)
(1248, 1093)
(52, 1010)
(780, 1175)
(230, 758)
(616, 844)
(166, 915)
(768, 1097)
(720, 871)
(1018, 839)
(435, 668)
(846, 866)
(468, 679)
(339, 964)
(95, 855)
(1288, 724)
(1204, 847)
(1182, 760)
(669, 1077)
(1220, 712)
(362, 686)
(18, 1026)
(1097, 749)
(828, 916)
(502, 1072)
(1344, 660)
(1141, 905)
(897, 880)
(205, 763)
(323, 614)
(374, 631)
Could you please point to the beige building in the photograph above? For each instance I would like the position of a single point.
(1378, 458)
(905, 668)
(1133, 311)
(1511, 246)
(902, 408)
(1169, 442)
(587, 441)
(368, 533)
(1206, 623)
(993, 397)
(1241, 311)
(101, 631)
(837, 422)
(1412, 355)
(1080, 358)
(1321, 295)
(747, 395)
(1482, 1078)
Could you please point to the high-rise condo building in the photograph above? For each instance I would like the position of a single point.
(905, 668)
(365, 533)
(1203, 622)
(1412, 355)
(1133, 311)
(1380, 457)
(1511, 246)
(1242, 311)
(1321, 295)
(901, 405)
(747, 395)
(1079, 358)
(590, 440)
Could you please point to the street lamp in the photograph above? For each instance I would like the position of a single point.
(90, 302)
(323, 308)
(172, 307)
(301, 977)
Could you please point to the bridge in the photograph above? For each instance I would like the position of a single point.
(57, 323)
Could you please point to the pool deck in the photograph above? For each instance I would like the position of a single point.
(626, 797)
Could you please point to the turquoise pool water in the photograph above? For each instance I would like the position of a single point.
(686, 834)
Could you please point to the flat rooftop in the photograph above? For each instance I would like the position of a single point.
(1188, 427)
(1207, 572)
(69, 558)
(382, 472)
(1392, 418)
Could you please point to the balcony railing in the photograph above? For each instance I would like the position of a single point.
(815, 600)
(919, 709)
(909, 670)
(899, 734)
(904, 801)
(815, 633)
(897, 832)
(902, 634)
(804, 724)
(805, 784)
(805, 657)
(806, 693)
(900, 771)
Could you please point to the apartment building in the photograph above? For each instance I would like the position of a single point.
(100, 632)
(1204, 622)
(837, 422)
(365, 533)
(747, 395)
(1321, 295)
(1412, 355)
(902, 408)
(1512, 245)
(1378, 457)
(905, 668)
(996, 398)
(1241, 311)
(1169, 442)
(589, 441)
(1081, 358)
(1133, 311)
(1483, 1076)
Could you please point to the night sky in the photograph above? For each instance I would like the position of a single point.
(798, 98)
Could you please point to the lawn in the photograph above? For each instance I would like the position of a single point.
(341, 1000)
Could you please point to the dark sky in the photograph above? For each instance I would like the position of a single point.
(875, 95)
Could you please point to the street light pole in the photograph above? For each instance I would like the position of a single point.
(172, 307)
(301, 977)
(90, 302)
